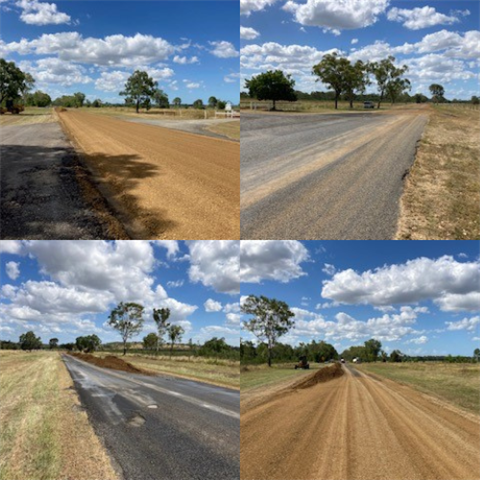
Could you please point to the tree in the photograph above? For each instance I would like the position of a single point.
(97, 103)
(79, 99)
(139, 88)
(272, 85)
(271, 319)
(13, 82)
(396, 88)
(38, 99)
(475, 100)
(175, 333)
(396, 356)
(476, 354)
(160, 317)
(387, 76)
(161, 99)
(384, 356)
(177, 101)
(127, 318)
(29, 83)
(437, 92)
(198, 104)
(355, 80)
(28, 341)
(212, 102)
(419, 98)
(150, 342)
(334, 71)
(372, 349)
(221, 104)
(88, 343)
(53, 343)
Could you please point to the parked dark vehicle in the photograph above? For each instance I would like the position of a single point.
(302, 363)
(368, 105)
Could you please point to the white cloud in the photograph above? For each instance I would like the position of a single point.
(354, 41)
(329, 269)
(233, 319)
(223, 49)
(12, 270)
(54, 70)
(212, 306)
(175, 283)
(112, 81)
(171, 246)
(334, 16)
(421, 17)
(11, 246)
(40, 13)
(418, 340)
(248, 33)
(185, 60)
(231, 78)
(414, 281)
(215, 264)
(249, 6)
(192, 85)
(277, 260)
(469, 324)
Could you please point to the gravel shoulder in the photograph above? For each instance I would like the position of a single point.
(161, 427)
(359, 428)
(325, 176)
(45, 191)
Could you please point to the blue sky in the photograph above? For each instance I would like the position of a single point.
(65, 289)
(418, 297)
(189, 47)
(438, 40)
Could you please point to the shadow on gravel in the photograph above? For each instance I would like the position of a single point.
(47, 193)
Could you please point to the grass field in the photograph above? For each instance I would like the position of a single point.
(456, 383)
(215, 371)
(260, 375)
(441, 200)
(29, 115)
(44, 433)
(170, 113)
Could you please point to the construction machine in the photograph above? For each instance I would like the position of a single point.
(302, 363)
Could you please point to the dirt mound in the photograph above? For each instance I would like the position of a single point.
(110, 361)
(323, 375)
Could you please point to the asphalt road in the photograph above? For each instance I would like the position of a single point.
(159, 427)
(40, 194)
(336, 177)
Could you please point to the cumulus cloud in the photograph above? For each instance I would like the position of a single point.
(421, 17)
(12, 269)
(248, 33)
(414, 281)
(54, 70)
(185, 60)
(249, 6)
(335, 16)
(41, 13)
(11, 246)
(418, 340)
(212, 306)
(215, 264)
(231, 77)
(278, 260)
(329, 269)
(354, 41)
(469, 324)
(223, 49)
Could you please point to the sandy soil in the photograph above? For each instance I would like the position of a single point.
(162, 183)
(358, 428)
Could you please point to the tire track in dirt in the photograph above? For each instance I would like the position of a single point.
(358, 428)
(163, 183)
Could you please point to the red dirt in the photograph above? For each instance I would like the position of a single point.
(323, 375)
(110, 361)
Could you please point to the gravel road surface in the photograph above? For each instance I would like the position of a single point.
(358, 428)
(335, 177)
(40, 194)
(160, 427)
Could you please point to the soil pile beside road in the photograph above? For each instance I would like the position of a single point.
(110, 361)
(323, 375)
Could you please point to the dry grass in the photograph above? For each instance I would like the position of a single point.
(30, 115)
(225, 373)
(44, 433)
(456, 383)
(229, 129)
(154, 113)
(441, 200)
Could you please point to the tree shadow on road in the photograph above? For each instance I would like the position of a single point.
(48, 193)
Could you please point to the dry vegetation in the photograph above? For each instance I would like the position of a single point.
(225, 373)
(441, 200)
(228, 129)
(170, 113)
(45, 434)
(30, 115)
(453, 382)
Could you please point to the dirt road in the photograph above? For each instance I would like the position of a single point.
(358, 428)
(44, 188)
(332, 177)
(161, 428)
(163, 183)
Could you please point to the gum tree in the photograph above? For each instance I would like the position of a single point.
(389, 78)
(127, 318)
(160, 317)
(175, 333)
(139, 89)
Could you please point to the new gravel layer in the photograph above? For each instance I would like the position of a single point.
(161, 428)
(335, 176)
(357, 428)
(162, 183)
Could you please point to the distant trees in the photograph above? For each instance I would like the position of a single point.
(175, 333)
(97, 103)
(79, 99)
(437, 92)
(38, 99)
(419, 98)
(127, 318)
(372, 349)
(475, 100)
(198, 104)
(14, 83)
(70, 101)
(28, 341)
(221, 104)
(53, 343)
(177, 101)
(476, 354)
(139, 88)
(212, 102)
(396, 356)
(161, 99)
(160, 317)
(150, 342)
(389, 78)
(215, 347)
(88, 343)
(271, 319)
(272, 85)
